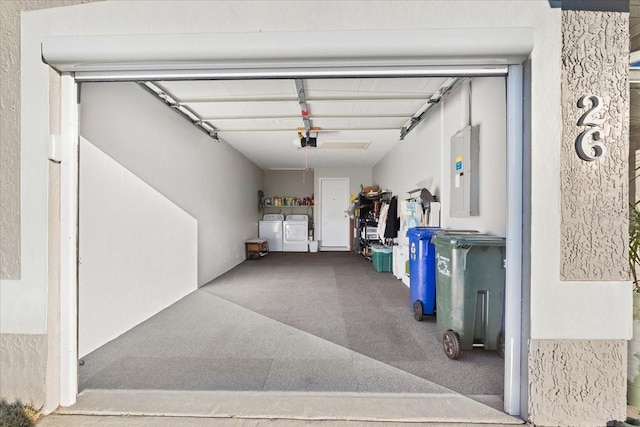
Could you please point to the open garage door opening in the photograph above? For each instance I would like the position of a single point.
(165, 298)
(274, 56)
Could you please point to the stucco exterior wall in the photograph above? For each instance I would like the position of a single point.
(10, 12)
(23, 360)
(10, 139)
(577, 382)
(594, 237)
(559, 310)
(29, 363)
(582, 382)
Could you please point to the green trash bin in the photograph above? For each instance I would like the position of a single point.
(470, 281)
(382, 258)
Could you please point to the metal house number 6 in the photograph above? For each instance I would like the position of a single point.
(589, 144)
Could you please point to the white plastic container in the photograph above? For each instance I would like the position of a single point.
(313, 246)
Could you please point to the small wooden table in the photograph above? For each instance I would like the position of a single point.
(256, 248)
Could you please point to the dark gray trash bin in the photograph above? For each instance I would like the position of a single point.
(470, 281)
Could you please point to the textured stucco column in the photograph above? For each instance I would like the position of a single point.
(577, 382)
(10, 140)
(583, 382)
(22, 368)
(594, 194)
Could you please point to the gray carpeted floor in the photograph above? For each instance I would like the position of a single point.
(292, 322)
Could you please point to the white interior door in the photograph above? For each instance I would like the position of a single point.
(334, 202)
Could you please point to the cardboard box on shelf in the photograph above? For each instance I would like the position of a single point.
(371, 188)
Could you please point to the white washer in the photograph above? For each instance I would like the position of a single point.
(270, 228)
(295, 233)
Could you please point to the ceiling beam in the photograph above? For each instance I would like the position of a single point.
(304, 110)
(308, 99)
(239, 99)
(322, 116)
(323, 130)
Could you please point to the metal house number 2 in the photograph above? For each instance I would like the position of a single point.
(589, 144)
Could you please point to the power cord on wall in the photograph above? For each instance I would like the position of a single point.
(470, 102)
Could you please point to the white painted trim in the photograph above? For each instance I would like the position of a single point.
(513, 289)
(69, 243)
(295, 73)
(259, 49)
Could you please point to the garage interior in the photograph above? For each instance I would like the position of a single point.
(166, 299)
(293, 322)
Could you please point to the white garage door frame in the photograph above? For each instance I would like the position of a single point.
(112, 58)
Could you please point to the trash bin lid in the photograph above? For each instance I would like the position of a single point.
(459, 233)
(423, 233)
(381, 248)
(467, 239)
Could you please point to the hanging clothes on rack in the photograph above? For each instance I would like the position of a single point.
(392, 220)
(382, 221)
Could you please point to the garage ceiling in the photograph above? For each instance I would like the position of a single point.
(359, 119)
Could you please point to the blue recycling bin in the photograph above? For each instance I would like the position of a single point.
(422, 270)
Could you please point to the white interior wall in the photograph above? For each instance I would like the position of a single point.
(489, 112)
(210, 180)
(415, 161)
(288, 183)
(138, 250)
(424, 155)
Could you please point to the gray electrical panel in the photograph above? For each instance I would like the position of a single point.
(465, 151)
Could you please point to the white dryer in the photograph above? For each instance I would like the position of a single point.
(270, 228)
(295, 233)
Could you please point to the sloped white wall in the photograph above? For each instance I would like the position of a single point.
(210, 180)
(424, 154)
(138, 250)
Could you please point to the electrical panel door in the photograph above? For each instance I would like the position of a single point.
(464, 189)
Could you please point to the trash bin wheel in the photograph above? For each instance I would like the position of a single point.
(451, 344)
(501, 345)
(417, 311)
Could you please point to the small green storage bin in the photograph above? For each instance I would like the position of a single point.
(382, 257)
